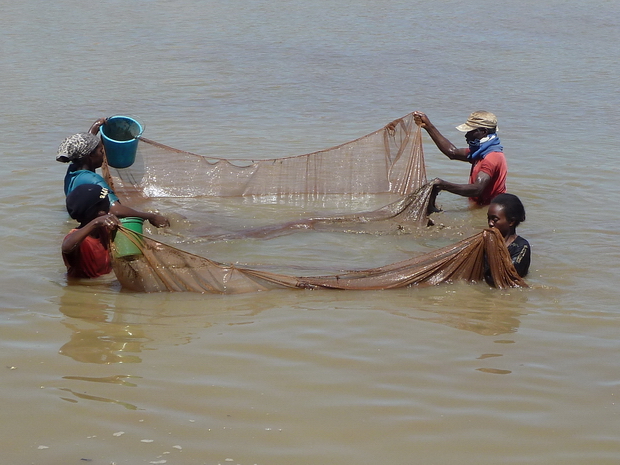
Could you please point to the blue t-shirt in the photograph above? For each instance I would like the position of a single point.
(79, 177)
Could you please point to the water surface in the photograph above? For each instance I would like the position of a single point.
(452, 374)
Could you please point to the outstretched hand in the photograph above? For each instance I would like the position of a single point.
(421, 119)
(159, 221)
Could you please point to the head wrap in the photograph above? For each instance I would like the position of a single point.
(86, 201)
(76, 147)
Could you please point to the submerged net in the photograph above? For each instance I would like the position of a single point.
(404, 215)
(159, 268)
(389, 160)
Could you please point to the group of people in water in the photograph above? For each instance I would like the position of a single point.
(487, 179)
(91, 201)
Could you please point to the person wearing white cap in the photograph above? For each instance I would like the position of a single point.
(487, 177)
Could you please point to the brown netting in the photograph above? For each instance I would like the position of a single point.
(389, 160)
(160, 267)
(402, 216)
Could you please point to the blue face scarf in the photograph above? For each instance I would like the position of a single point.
(479, 148)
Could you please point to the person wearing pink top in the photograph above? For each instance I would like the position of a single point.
(487, 177)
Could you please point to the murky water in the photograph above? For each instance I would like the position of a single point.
(453, 374)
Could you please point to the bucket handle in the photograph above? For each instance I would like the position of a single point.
(135, 118)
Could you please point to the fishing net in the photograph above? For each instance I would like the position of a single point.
(405, 215)
(159, 267)
(389, 160)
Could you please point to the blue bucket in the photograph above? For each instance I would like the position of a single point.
(120, 138)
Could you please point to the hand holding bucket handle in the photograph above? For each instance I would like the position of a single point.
(120, 136)
(94, 129)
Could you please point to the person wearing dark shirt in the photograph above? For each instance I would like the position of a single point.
(505, 213)
(86, 249)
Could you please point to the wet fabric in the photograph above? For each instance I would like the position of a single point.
(91, 260)
(402, 216)
(389, 160)
(162, 268)
(520, 253)
(86, 201)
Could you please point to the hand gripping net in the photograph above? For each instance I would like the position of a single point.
(387, 160)
(159, 267)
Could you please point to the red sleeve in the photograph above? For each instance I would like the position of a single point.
(91, 260)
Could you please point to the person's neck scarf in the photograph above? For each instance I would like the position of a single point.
(479, 148)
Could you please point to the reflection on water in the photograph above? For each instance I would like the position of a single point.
(109, 327)
(485, 322)
(99, 346)
(484, 311)
(339, 378)
(99, 333)
(96, 398)
(118, 379)
(471, 307)
(494, 371)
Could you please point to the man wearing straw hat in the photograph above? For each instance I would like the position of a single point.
(487, 177)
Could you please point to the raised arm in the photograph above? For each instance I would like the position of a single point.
(444, 145)
(94, 129)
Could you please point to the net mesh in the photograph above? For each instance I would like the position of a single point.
(160, 267)
(407, 214)
(387, 160)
